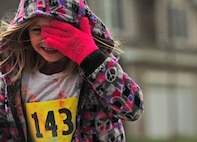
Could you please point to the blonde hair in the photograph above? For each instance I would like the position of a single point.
(16, 48)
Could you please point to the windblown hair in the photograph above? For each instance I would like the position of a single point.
(16, 48)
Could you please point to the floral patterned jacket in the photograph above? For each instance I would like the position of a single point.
(108, 96)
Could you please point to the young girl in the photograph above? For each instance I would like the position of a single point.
(59, 78)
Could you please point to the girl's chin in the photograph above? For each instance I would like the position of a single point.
(53, 57)
(52, 60)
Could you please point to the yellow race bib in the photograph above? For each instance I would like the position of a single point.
(52, 121)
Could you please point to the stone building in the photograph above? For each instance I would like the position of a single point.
(8, 6)
(159, 38)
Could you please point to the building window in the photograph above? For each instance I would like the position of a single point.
(111, 13)
(117, 14)
(177, 23)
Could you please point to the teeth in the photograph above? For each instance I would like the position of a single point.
(49, 49)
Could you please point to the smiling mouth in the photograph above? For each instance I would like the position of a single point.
(49, 50)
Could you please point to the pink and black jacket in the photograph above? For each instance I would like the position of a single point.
(108, 95)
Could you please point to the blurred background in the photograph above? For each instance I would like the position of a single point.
(159, 39)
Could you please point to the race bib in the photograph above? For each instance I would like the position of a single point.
(52, 121)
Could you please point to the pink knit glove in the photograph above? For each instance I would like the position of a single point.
(74, 43)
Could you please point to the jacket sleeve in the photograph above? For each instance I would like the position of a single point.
(116, 87)
(4, 125)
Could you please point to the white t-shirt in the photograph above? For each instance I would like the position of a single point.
(51, 105)
(40, 87)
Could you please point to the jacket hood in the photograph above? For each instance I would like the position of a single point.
(70, 11)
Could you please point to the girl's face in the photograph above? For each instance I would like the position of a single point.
(39, 45)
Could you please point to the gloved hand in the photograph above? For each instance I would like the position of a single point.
(74, 43)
